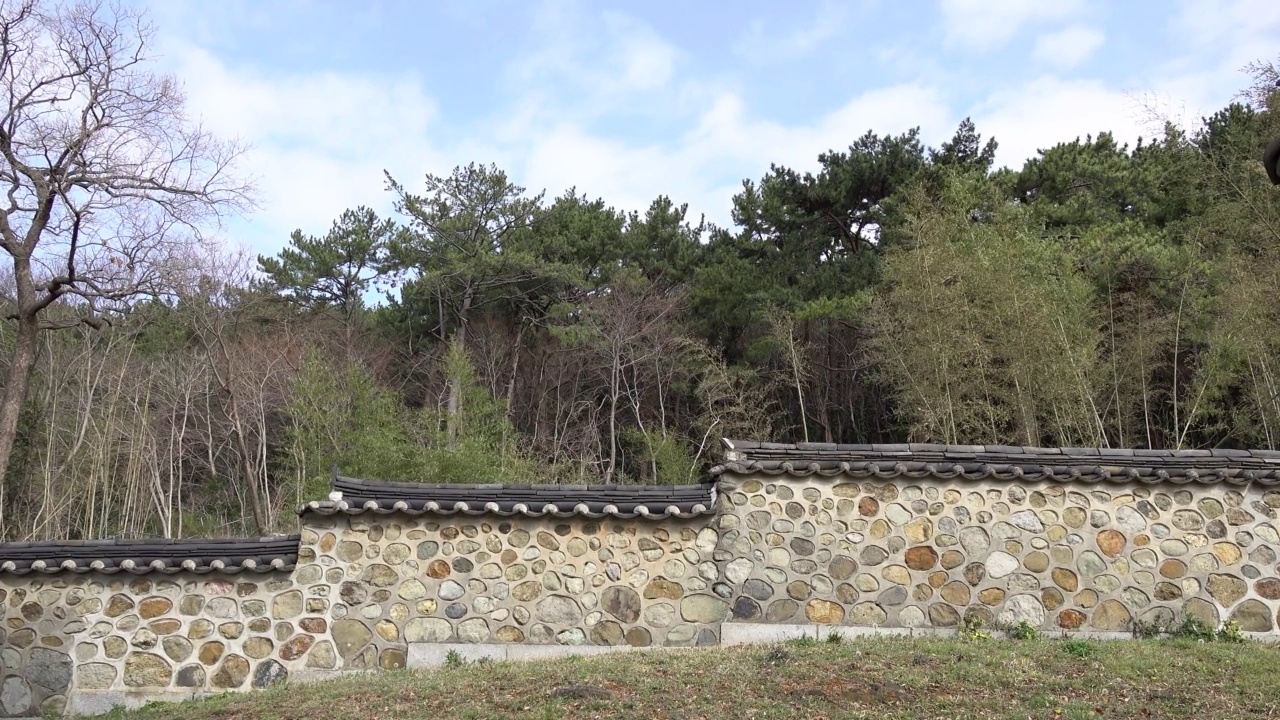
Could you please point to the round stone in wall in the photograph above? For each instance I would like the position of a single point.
(146, 670)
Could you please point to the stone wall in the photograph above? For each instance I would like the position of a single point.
(371, 589)
(114, 638)
(399, 580)
(1073, 557)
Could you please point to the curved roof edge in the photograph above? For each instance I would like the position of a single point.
(883, 461)
(352, 496)
(138, 557)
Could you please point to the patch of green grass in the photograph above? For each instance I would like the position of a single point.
(886, 677)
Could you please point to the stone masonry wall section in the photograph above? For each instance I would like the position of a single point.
(1058, 556)
(572, 581)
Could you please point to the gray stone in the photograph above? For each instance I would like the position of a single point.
(269, 672)
(350, 636)
(50, 669)
(15, 696)
(450, 590)
(1000, 564)
(1130, 520)
(558, 609)
(975, 542)
(1027, 520)
(95, 676)
(1022, 608)
(703, 609)
(621, 602)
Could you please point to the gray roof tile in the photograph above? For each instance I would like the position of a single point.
(354, 496)
(198, 555)
(1004, 462)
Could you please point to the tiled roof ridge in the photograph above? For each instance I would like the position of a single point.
(353, 496)
(1001, 462)
(169, 556)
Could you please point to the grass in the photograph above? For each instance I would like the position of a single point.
(900, 678)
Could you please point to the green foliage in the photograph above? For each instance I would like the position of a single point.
(335, 270)
(1193, 628)
(1023, 631)
(453, 659)
(971, 627)
(1148, 630)
(834, 638)
(1230, 632)
(1076, 647)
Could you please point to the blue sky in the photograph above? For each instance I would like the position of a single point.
(629, 100)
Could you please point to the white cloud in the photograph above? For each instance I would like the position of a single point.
(769, 44)
(319, 142)
(1042, 113)
(1069, 47)
(705, 166)
(989, 24)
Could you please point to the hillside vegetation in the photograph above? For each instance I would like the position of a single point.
(157, 383)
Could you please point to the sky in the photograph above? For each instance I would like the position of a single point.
(631, 100)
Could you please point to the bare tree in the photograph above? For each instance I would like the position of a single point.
(106, 180)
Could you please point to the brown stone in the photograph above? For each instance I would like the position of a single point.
(327, 542)
(1227, 553)
(1253, 616)
(258, 647)
(438, 569)
(991, 596)
(1111, 615)
(639, 637)
(955, 592)
(232, 673)
(393, 658)
(510, 634)
(1070, 619)
(1166, 591)
(147, 670)
(922, 557)
(1268, 588)
(297, 646)
(1173, 569)
(952, 559)
(118, 605)
(154, 607)
(937, 579)
(1052, 598)
(1065, 579)
(167, 626)
(1111, 542)
(824, 612)
(1086, 598)
(1226, 589)
(1036, 562)
(313, 625)
(211, 652)
(660, 587)
(974, 573)
(868, 506)
(941, 615)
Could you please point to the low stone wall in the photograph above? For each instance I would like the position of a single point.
(399, 580)
(1058, 556)
(114, 639)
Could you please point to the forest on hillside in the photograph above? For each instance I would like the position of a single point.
(1099, 295)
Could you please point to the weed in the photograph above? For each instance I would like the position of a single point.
(803, 641)
(1144, 630)
(1023, 631)
(971, 628)
(1079, 648)
(453, 660)
(777, 656)
(1231, 633)
(834, 638)
(1193, 628)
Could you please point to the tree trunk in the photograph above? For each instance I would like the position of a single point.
(17, 378)
(454, 407)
